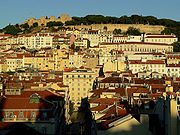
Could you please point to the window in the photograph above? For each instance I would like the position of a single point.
(33, 114)
(21, 114)
(9, 114)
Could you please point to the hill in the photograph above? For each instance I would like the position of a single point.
(167, 26)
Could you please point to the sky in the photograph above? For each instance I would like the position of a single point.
(16, 11)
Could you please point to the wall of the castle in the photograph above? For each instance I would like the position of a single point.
(123, 27)
(43, 21)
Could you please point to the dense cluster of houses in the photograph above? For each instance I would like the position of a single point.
(44, 76)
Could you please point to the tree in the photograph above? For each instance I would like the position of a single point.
(58, 47)
(117, 31)
(35, 24)
(24, 48)
(176, 47)
(105, 28)
(25, 26)
(101, 73)
(133, 31)
(51, 24)
(10, 29)
(72, 46)
(52, 29)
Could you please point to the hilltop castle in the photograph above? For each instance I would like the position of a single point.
(44, 20)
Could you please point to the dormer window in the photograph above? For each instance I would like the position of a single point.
(35, 98)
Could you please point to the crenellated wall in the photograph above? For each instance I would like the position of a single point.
(43, 21)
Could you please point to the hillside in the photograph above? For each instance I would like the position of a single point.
(143, 23)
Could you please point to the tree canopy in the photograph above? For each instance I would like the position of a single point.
(117, 31)
(12, 29)
(133, 31)
(51, 24)
(171, 25)
(176, 47)
(25, 26)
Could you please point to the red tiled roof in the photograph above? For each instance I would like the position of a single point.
(142, 43)
(99, 108)
(114, 80)
(147, 62)
(107, 101)
(160, 37)
(173, 57)
(172, 65)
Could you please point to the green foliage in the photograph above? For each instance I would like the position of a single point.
(174, 30)
(176, 47)
(72, 47)
(133, 31)
(117, 31)
(52, 29)
(25, 26)
(34, 25)
(10, 73)
(11, 29)
(105, 28)
(58, 47)
(51, 24)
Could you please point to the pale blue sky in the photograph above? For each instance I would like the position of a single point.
(16, 11)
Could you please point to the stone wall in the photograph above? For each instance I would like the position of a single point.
(43, 21)
(110, 27)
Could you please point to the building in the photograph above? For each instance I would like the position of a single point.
(80, 82)
(42, 111)
(151, 65)
(130, 47)
(14, 62)
(43, 21)
(160, 38)
(76, 59)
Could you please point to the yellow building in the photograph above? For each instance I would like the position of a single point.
(14, 63)
(40, 62)
(160, 38)
(90, 61)
(3, 67)
(115, 65)
(173, 59)
(80, 82)
(76, 59)
(77, 33)
(56, 60)
(129, 47)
